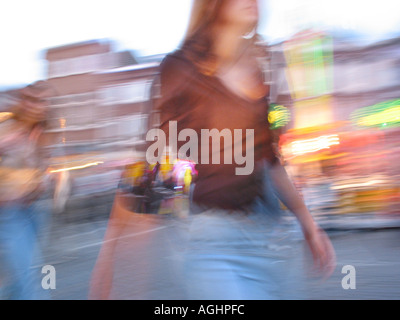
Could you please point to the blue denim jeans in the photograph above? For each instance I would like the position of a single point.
(20, 251)
(233, 255)
(237, 256)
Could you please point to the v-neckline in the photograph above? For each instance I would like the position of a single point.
(235, 95)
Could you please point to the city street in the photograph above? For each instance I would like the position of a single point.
(145, 270)
(228, 95)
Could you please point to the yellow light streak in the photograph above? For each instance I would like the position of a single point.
(355, 185)
(5, 116)
(313, 145)
(77, 167)
(62, 123)
(387, 116)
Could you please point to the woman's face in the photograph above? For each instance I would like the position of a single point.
(240, 12)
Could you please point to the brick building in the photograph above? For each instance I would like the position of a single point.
(98, 119)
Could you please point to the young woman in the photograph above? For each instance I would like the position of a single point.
(215, 81)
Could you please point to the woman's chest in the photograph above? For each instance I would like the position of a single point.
(213, 105)
(245, 78)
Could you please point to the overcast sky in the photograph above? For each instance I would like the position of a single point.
(157, 26)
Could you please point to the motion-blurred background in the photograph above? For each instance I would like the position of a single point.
(337, 120)
(336, 123)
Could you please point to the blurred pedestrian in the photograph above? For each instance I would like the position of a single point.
(216, 81)
(234, 249)
(23, 185)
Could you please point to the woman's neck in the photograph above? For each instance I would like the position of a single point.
(229, 44)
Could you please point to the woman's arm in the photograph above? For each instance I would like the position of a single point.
(317, 240)
(290, 197)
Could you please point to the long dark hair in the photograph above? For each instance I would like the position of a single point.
(198, 42)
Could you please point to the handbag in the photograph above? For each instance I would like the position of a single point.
(147, 190)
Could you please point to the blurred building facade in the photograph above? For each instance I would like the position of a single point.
(98, 119)
(365, 76)
(346, 110)
(101, 98)
(366, 94)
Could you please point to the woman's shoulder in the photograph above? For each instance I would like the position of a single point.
(176, 63)
(176, 73)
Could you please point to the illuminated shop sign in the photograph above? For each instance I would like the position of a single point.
(382, 115)
(278, 116)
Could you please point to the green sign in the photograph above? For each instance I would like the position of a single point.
(278, 116)
(382, 115)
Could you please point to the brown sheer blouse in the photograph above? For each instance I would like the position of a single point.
(198, 101)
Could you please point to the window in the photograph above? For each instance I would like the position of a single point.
(128, 93)
(58, 68)
(77, 65)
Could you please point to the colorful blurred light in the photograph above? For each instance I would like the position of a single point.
(382, 115)
(77, 167)
(5, 116)
(357, 185)
(302, 147)
(278, 116)
(181, 166)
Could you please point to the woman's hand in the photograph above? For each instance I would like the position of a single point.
(322, 250)
(317, 240)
